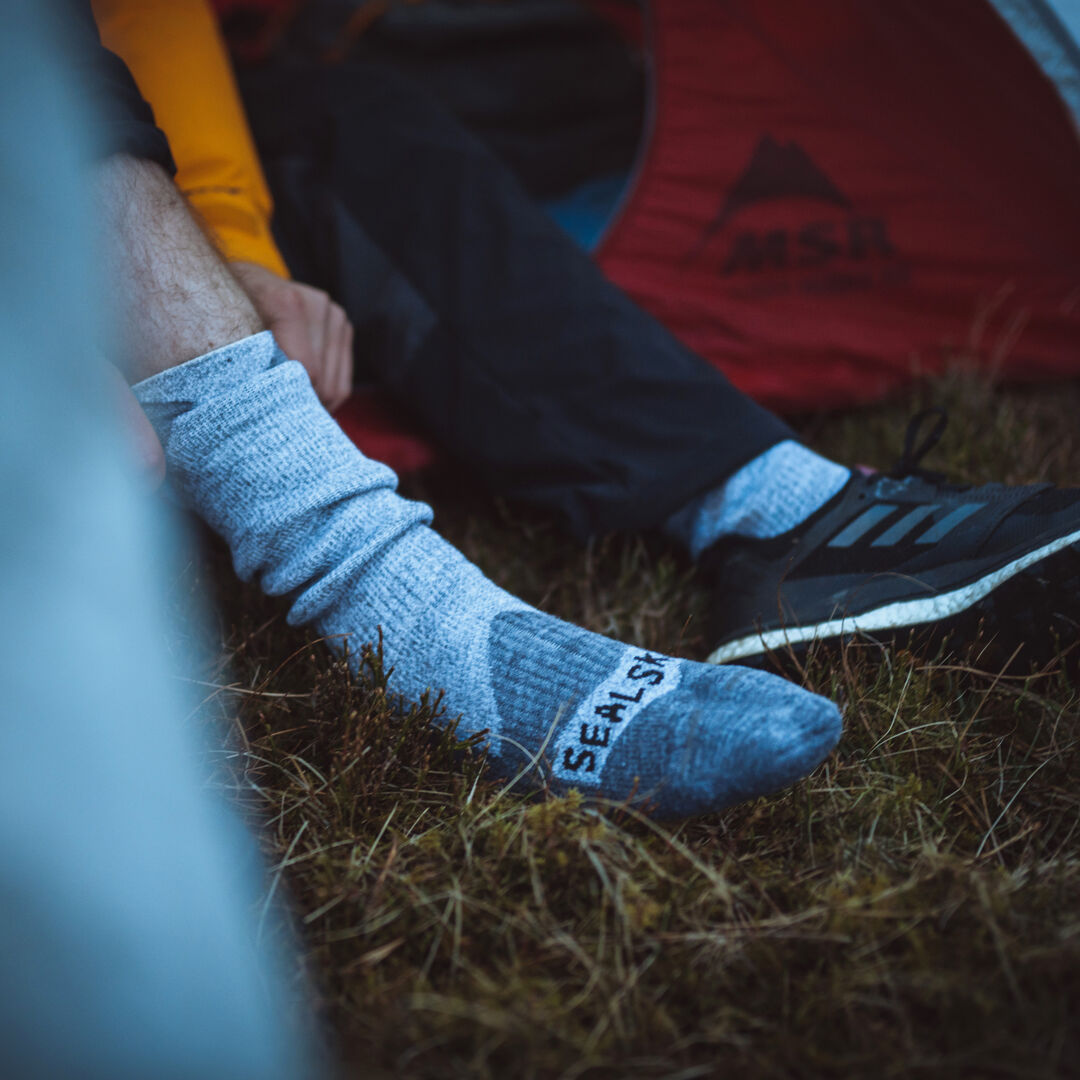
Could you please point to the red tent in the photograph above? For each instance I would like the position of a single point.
(837, 196)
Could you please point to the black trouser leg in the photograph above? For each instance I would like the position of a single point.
(480, 315)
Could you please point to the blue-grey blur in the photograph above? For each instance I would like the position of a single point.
(127, 892)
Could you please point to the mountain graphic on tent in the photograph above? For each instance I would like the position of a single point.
(776, 171)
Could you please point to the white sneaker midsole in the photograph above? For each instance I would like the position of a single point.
(889, 616)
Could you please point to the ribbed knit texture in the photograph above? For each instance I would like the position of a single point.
(249, 447)
(769, 495)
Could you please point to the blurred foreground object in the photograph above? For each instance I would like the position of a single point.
(127, 890)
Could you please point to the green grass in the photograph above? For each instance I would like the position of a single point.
(912, 909)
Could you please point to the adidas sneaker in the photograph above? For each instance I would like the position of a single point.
(894, 553)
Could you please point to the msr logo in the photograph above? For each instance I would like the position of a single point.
(841, 248)
(811, 246)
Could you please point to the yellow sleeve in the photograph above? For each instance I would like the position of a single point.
(176, 54)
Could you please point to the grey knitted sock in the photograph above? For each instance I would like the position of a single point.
(769, 495)
(250, 449)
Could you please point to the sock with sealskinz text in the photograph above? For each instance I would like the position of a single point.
(250, 449)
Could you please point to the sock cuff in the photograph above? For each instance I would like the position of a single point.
(215, 372)
(773, 493)
(252, 450)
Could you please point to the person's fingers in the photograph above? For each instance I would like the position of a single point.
(301, 323)
(289, 322)
(339, 356)
(347, 361)
(317, 305)
(322, 330)
(308, 327)
(301, 332)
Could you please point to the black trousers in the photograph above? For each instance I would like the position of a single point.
(480, 315)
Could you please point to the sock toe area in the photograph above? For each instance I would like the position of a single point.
(622, 722)
(727, 735)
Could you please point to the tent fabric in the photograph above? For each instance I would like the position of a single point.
(836, 197)
(379, 428)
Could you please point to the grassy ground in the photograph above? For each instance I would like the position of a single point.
(912, 909)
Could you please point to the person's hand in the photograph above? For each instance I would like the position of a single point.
(309, 327)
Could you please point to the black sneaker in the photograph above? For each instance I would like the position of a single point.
(901, 552)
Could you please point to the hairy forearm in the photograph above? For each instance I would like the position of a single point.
(175, 298)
